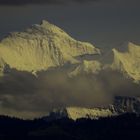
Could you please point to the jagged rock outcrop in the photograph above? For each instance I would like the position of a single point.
(128, 62)
(41, 47)
(124, 104)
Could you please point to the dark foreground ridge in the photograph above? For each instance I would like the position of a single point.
(126, 126)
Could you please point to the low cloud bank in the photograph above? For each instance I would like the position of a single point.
(27, 96)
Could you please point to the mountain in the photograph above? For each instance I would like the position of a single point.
(41, 47)
(125, 104)
(128, 62)
(126, 59)
(87, 67)
(121, 105)
(75, 113)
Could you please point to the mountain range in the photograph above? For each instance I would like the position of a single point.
(45, 47)
(121, 105)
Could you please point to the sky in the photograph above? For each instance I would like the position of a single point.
(102, 22)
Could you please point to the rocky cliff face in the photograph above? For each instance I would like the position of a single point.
(75, 113)
(41, 47)
(125, 104)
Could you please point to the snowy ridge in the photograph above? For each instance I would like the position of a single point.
(128, 62)
(121, 105)
(75, 113)
(41, 47)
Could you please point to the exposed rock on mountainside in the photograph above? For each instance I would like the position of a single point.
(79, 112)
(41, 47)
(125, 104)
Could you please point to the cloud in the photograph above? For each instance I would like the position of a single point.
(23, 95)
(25, 2)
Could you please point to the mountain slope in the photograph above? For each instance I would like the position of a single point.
(87, 67)
(41, 47)
(120, 105)
(128, 62)
(75, 113)
(125, 104)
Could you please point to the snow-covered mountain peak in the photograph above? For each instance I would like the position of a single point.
(128, 62)
(41, 47)
(45, 23)
(52, 28)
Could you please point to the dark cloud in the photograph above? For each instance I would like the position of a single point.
(25, 2)
(24, 95)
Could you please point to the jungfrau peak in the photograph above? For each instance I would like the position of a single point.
(128, 62)
(41, 47)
